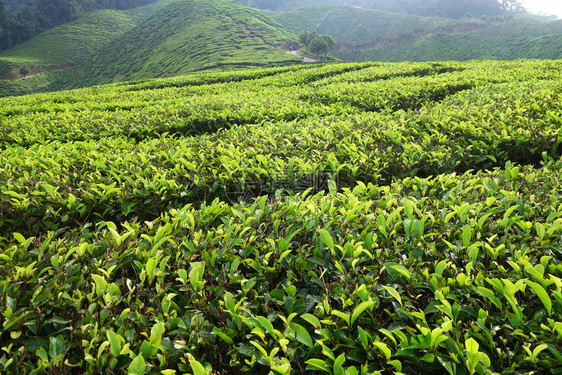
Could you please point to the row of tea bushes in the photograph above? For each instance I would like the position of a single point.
(451, 274)
(207, 104)
(407, 220)
(58, 184)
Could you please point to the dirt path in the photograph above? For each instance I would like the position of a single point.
(33, 72)
(305, 59)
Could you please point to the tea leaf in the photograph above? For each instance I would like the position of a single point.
(338, 369)
(197, 367)
(360, 309)
(196, 275)
(137, 366)
(101, 284)
(542, 294)
(302, 335)
(57, 346)
(393, 292)
(471, 345)
(326, 238)
(384, 348)
(114, 342)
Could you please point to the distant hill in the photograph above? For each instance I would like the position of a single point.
(174, 37)
(520, 38)
(164, 38)
(48, 58)
(20, 20)
(371, 35)
(430, 8)
(357, 28)
(189, 36)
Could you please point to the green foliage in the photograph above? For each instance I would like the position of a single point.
(433, 247)
(166, 38)
(519, 38)
(35, 16)
(357, 29)
(318, 47)
(306, 38)
(321, 45)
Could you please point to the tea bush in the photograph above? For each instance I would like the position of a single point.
(175, 226)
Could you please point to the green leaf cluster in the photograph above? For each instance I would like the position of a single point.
(435, 247)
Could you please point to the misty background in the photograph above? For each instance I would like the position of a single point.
(20, 20)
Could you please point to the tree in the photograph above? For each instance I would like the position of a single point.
(6, 26)
(318, 47)
(30, 17)
(56, 12)
(3, 17)
(512, 6)
(305, 38)
(321, 45)
(330, 42)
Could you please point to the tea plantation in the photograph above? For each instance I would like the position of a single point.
(368, 218)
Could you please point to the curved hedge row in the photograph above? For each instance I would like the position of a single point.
(407, 219)
(455, 273)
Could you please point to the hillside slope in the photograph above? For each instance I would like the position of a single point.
(357, 28)
(371, 35)
(40, 63)
(189, 36)
(165, 38)
(443, 8)
(68, 43)
(21, 20)
(516, 39)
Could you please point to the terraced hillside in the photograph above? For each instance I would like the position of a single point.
(193, 35)
(166, 38)
(350, 218)
(522, 38)
(447, 9)
(370, 35)
(45, 59)
(359, 29)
